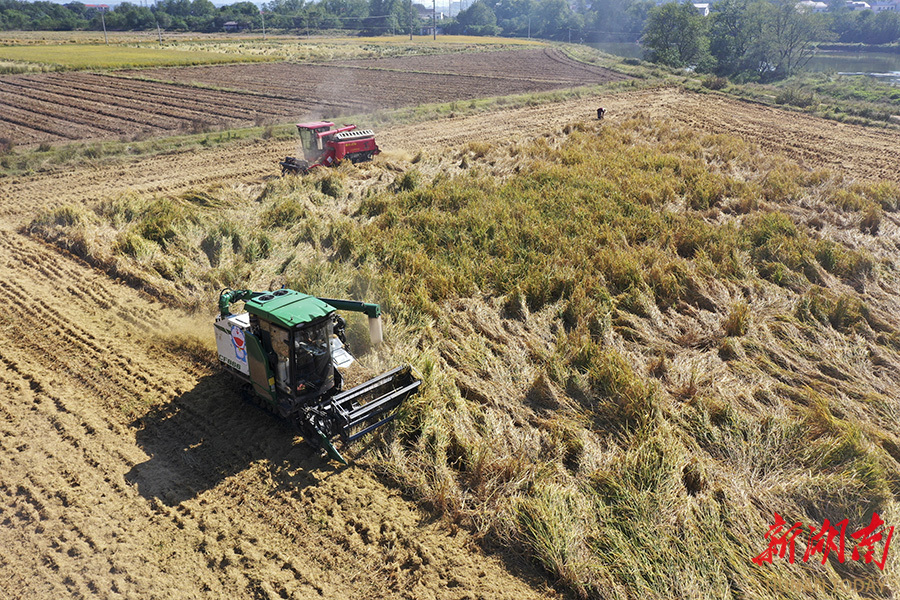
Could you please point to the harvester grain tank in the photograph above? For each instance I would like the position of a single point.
(288, 349)
(324, 146)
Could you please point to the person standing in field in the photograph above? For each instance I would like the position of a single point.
(600, 112)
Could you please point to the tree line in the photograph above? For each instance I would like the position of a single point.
(578, 21)
(756, 39)
(739, 36)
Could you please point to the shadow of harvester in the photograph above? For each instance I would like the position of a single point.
(208, 434)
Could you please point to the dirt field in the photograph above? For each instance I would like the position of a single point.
(200, 496)
(466, 74)
(57, 107)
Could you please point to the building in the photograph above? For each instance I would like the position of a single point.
(883, 5)
(703, 9)
(812, 6)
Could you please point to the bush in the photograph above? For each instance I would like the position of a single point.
(714, 83)
(843, 262)
(842, 312)
(778, 247)
(783, 184)
(797, 97)
(624, 398)
(886, 194)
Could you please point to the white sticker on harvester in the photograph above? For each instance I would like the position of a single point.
(239, 343)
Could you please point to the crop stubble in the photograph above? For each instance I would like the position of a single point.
(198, 495)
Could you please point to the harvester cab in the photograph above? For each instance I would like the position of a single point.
(324, 146)
(287, 350)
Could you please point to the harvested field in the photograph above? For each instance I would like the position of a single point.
(489, 72)
(82, 106)
(128, 468)
(548, 64)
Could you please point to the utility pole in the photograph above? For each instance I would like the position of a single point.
(434, 18)
(529, 27)
(103, 20)
(159, 33)
(263, 14)
(410, 19)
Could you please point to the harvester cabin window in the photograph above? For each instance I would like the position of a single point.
(313, 354)
(306, 138)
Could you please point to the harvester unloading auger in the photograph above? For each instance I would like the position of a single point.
(287, 350)
(326, 147)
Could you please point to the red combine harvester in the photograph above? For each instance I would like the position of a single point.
(324, 146)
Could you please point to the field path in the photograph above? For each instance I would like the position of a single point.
(199, 496)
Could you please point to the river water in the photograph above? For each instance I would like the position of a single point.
(883, 66)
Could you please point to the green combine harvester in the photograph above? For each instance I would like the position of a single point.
(287, 350)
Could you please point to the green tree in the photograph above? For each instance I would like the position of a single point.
(675, 35)
(478, 19)
(350, 13)
(787, 33)
(174, 8)
(557, 20)
(514, 17)
(16, 19)
(734, 36)
(202, 8)
(387, 17)
(616, 21)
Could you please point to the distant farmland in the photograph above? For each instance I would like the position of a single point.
(57, 107)
(92, 56)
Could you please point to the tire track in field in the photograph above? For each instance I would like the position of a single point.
(59, 423)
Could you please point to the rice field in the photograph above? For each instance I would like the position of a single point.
(637, 341)
(90, 56)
